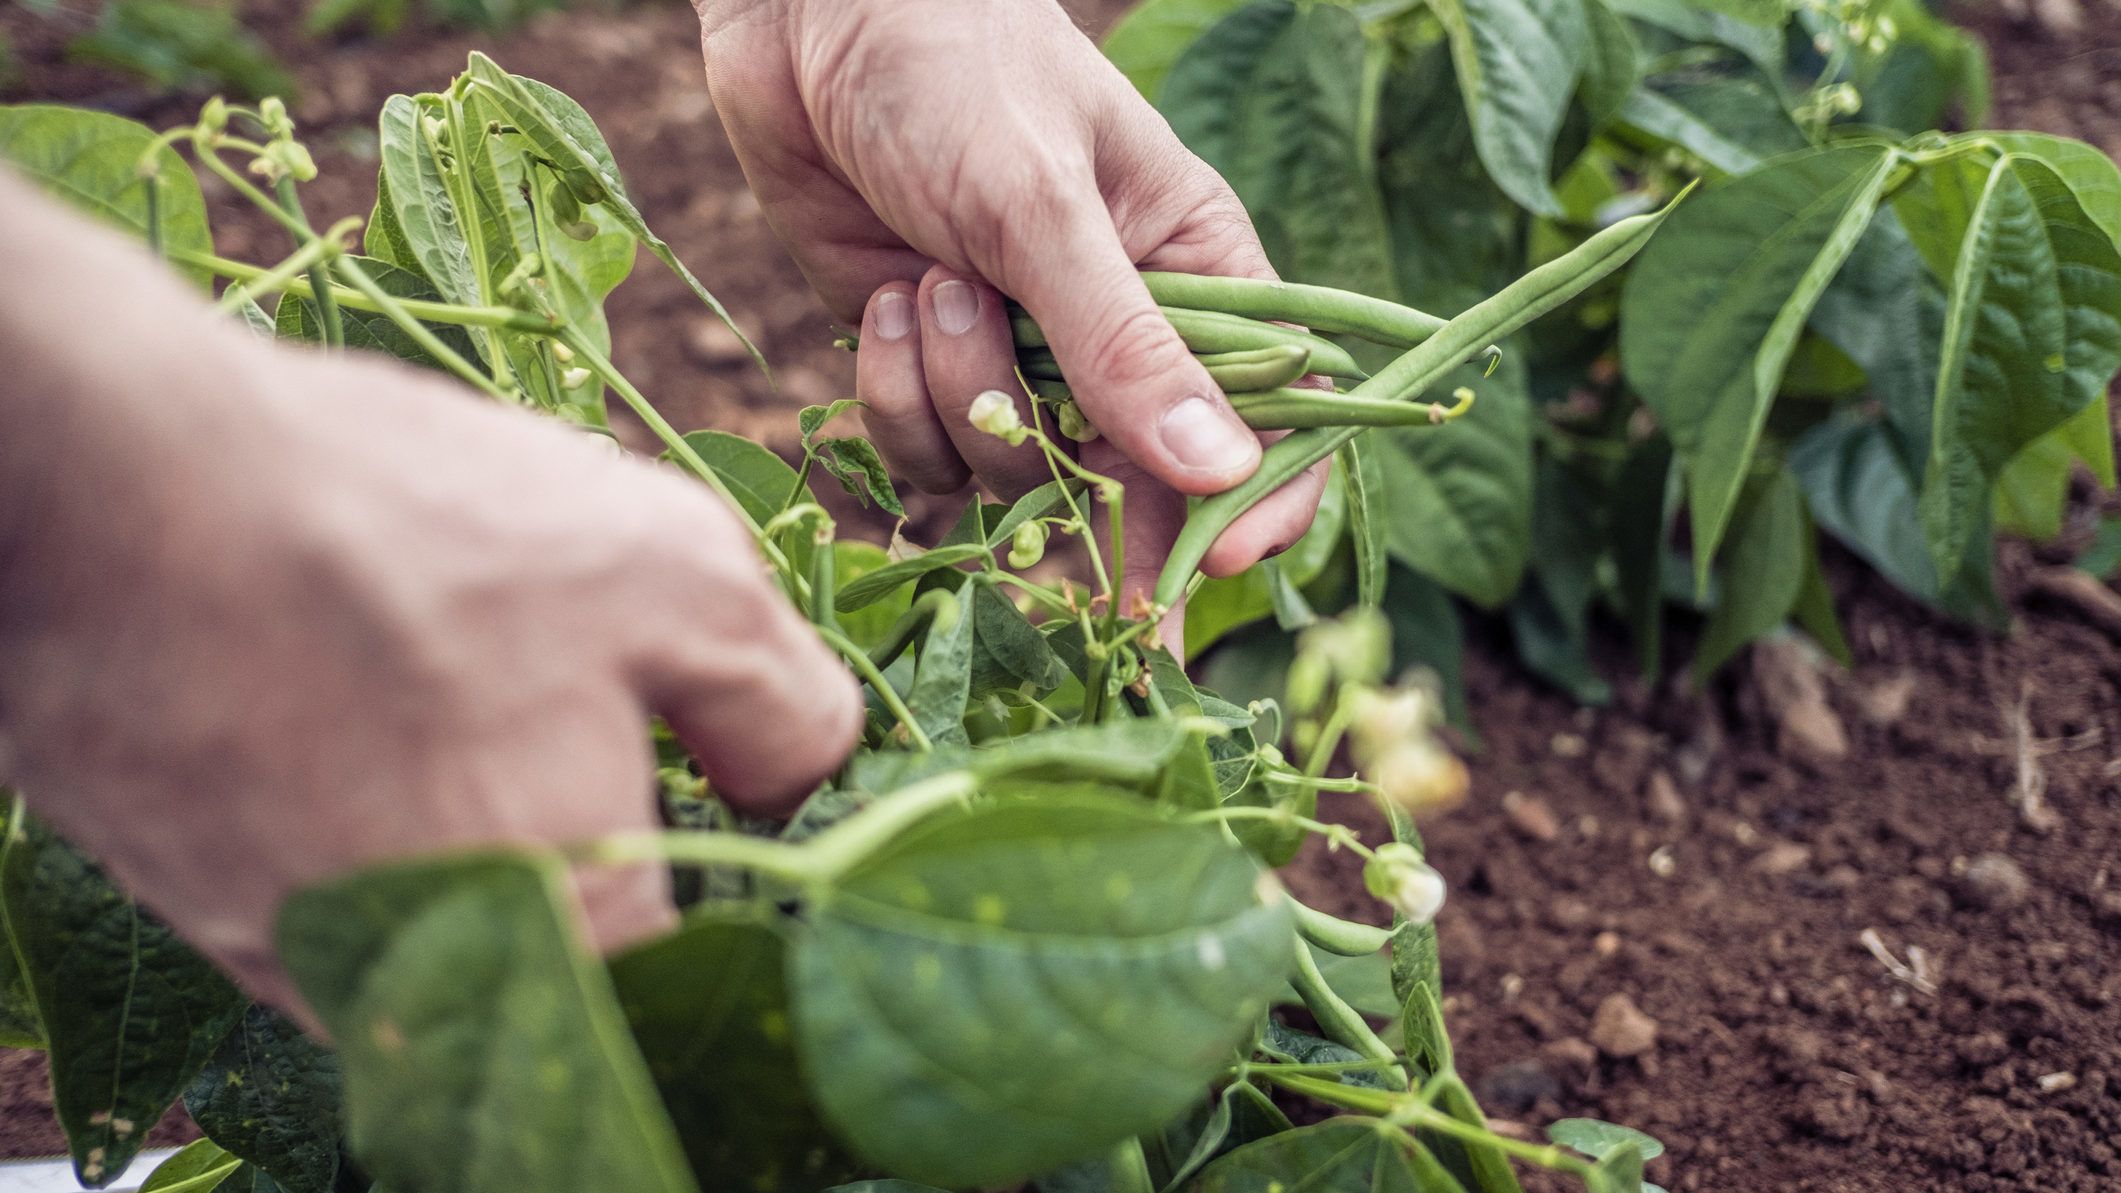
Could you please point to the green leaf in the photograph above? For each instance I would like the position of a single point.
(1612, 66)
(297, 319)
(415, 215)
(270, 1095)
(708, 1005)
(868, 625)
(2032, 491)
(1041, 502)
(1131, 753)
(1518, 62)
(942, 679)
(884, 1187)
(1886, 312)
(1274, 97)
(2032, 336)
(92, 160)
(1458, 497)
(1698, 24)
(1762, 574)
(1551, 615)
(2103, 557)
(1362, 477)
(1598, 1139)
(1859, 489)
(564, 135)
(1008, 650)
(1456, 238)
(2090, 175)
(1364, 982)
(1815, 609)
(1752, 12)
(180, 45)
(1428, 633)
(1342, 1155)
(201, 1167)
(1020, 985)
(1147, 42)
(1715, 304)
(1731, 123)
(853, 462)
(1639, 524)
(484, 1047)
(874, 586)
(762, 482)
(92, 959)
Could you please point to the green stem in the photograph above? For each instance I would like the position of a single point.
(1335, 935)
(903, 632)
(859, 660)
(327, 309)
(1340, 1021)
(1130, 1168)
(419, 332)
(252, 276)
(843, 846)
(310, 255)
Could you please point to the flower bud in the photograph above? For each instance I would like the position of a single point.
(1074, 424)
(272, 113)
(1419, 775)
(562, 353)
(1397, 875)
(574, 378)
(1028, 546)
(995, 413)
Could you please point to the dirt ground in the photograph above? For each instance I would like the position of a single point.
(1884, 960)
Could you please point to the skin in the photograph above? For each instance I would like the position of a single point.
(922, 158)
(272, 614)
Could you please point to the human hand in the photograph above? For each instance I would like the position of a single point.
(922, 158)
(274, 615)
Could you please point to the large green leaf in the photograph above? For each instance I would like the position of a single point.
(2032, 336)
(1456, 237)
(761, 482)
(270, 1095)
(1762, 573)
(1859, 488)
(2032, 491)
(1716, 302)
(1023, 984)
(1886, 312)
(1274, 98)
(1550, 619)
(709, 1007)
(1458, 497)
(1342, 1155)
(876, 585)
(1731, 122)
(1689, 21)
(94, 960)
(92, 160)
(416, 225)
(297, 319)
(1147, 42)
(484, 1047)
(1518, 62)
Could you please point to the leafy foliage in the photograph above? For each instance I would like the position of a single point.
(1896, 335)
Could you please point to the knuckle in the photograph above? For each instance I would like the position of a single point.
(1136, 348)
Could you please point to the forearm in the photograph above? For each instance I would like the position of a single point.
(122, 399)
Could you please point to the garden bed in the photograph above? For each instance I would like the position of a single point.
(1709, 867)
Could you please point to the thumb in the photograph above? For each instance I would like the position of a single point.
(1129, 370)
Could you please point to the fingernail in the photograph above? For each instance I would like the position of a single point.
(956, 307)
(894, 316)
(1205, 439)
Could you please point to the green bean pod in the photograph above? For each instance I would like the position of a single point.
(1212, 332)
(1413, 373)
(1320, 308)
(1261, 368)
(1298, 409)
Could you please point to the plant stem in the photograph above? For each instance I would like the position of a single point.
(431, 343)
(844, 845)
(859, 660)
(327, 309)
(1340, 1021)
(304, 260)
(253, 277)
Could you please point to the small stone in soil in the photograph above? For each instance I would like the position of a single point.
(1621, 1030)
(1663, 799)
(1530, 816)
(1784, 857)
(1995, 882)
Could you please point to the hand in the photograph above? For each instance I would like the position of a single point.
(922, 158)
(273, 615)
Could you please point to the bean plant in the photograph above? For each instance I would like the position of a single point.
(1898, 336)
(1031, 932)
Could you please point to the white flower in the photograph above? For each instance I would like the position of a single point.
(1398, 875)
(995, 413)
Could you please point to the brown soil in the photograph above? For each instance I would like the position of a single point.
(1702, 866)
